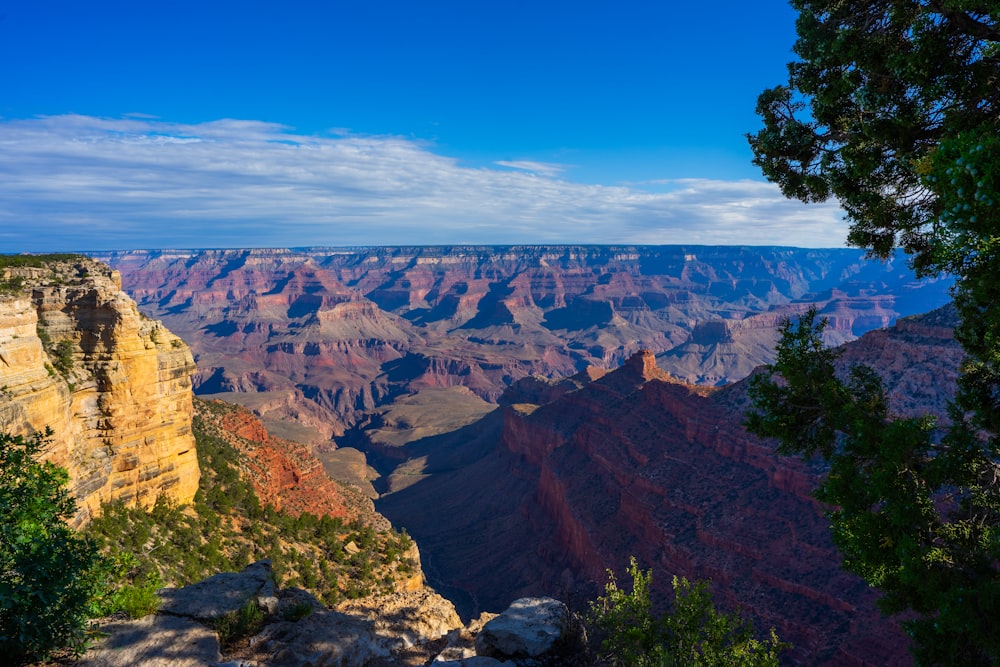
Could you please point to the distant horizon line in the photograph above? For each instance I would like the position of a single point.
(440, 246)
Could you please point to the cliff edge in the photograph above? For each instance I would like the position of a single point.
(77, 356)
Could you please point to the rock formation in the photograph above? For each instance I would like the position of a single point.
(334, 333)
(571, 477)
(285, 475)
(295, 630)
(568, 477)
(114, 386)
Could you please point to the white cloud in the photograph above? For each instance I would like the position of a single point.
(76, 183)
(544, 168)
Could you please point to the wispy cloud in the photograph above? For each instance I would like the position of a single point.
(544, 168)
(78, 182)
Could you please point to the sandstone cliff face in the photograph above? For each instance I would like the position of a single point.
(114, 386)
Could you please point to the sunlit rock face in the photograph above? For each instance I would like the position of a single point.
(114, 386)
(338, 332)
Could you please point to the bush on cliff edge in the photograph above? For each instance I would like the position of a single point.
(48, 572)
(693, 633)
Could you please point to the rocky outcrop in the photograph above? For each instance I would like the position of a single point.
(286, 475)
(918, 359)
(536, 630)
(414, 617)
(221, 594)
(350, 330)
(158, 640)
(78, 357)
(295, 630)
(569, 478)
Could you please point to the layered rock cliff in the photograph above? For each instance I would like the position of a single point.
(338, 332)
(286, 475)
(78, 357)
(571, 477)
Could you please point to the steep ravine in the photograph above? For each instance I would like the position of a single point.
(571, 477)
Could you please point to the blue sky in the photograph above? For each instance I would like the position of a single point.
(182, 124)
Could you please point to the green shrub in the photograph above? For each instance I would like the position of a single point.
(692, 634)
(63, 357)
(297, 612)
(48, 573)
(138, 600)
(37, 261)
(12, 285)
(240, 624)
(229, 528)
(43, 334)
(130, 590)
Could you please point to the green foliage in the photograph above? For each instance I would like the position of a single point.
(43, 334)
(878, 88)
(48, 573)
(227, 528)
(11, 285)
(63, 358)
(130, 588)
(693, 634)
(36, 261)
(240, 624)
(61, 353)
(297, 612)
(916, 517)
(894, 109)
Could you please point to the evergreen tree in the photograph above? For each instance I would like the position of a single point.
(893, 108)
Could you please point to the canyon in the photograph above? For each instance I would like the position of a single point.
(321, 337)
(532, 416)
(605, 464)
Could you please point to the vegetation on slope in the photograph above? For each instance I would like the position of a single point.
(36, 261)
(11, 282)
(228, 528)
(48, 573)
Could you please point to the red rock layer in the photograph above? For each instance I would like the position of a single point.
(348, 330)
(285, 475)
(582, 473)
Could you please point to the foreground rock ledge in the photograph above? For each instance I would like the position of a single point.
(400, 629)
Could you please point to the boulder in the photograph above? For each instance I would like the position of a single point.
(534, 631)
(406, 618)
(222, 593)
(322, 639)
